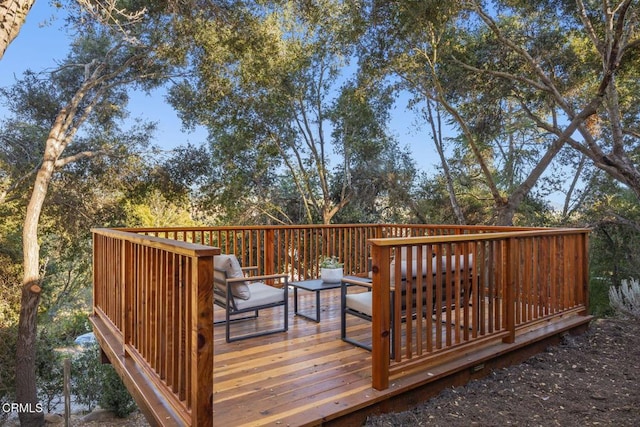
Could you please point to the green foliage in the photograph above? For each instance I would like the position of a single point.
(115, 396)
(86, 376)
(157, 211)
(49, 367)
(67, 324)
(331, 262)
(8, 337)
(599, 304)
(49, 371)
(95, 383)
(270, 91)
(613, 214)
(9, 291)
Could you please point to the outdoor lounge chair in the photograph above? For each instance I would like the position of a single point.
(240, 295)
(360, 304)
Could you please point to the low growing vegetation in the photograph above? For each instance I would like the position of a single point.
(625, 299)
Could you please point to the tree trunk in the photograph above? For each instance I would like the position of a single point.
(436, 130)
(13, 13)
(26, 388)
(506, 212)
(26, 391)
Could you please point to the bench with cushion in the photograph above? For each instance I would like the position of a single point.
(360, 304)
(240, 295)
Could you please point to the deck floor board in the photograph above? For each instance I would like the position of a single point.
(284, 378)
(305, 376)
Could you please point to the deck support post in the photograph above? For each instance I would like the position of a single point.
(381, 320)
(202, 343)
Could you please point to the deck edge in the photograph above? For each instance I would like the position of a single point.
(414, 389)
(141, 390)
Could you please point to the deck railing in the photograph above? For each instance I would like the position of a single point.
(299, 249)
(467, 290)
(152, 292)
(153, 297)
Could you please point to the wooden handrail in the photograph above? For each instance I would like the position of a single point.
(498, 235)
(504, 281)
(299, 249)
(154, 296)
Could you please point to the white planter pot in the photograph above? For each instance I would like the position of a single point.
(331, 275)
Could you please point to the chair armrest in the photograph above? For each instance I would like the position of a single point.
(357, 282)
(262, 277)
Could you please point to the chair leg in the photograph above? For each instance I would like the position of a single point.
(343, 328)
(228, 321)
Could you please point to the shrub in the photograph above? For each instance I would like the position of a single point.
(599, 304)
(85, 376)
(626, 298)
(49, 371)
(115, 396)
(68, 325)
(95, 383)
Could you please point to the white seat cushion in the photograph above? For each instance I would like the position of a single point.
(455, 262)
(261, 294)
(360, 302)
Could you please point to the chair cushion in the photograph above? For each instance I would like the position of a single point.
(261, 294)
(458, 262)
(360, 302)
(232, 269)
(455, 262)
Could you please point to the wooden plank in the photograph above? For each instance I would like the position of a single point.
(309, 376)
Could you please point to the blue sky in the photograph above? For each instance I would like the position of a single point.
(43, 41)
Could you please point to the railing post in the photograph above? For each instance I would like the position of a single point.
(585, 270)
(126, 292)
(202, 342)
(269, 251)
(510, 283)
(381, 321)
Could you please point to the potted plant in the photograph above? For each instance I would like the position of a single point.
(331, 270)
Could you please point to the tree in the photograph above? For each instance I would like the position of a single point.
(578, 92)
(270, 93)
(419, 42)
(493, 71)
(558, 96)
(13, 13)
(87, 88)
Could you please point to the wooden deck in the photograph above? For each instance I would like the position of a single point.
(309, 376)
(153, 317)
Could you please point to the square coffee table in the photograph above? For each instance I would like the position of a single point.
(315, 285)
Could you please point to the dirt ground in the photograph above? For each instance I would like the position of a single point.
(590, 379)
